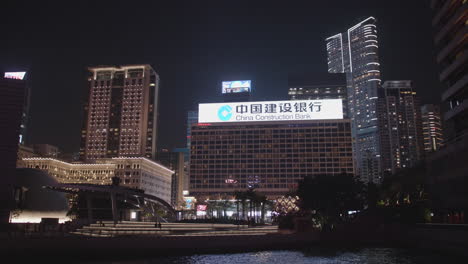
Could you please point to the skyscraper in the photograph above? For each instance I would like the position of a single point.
(121, 111)
(432, 127)
(12, 93)
(451, 42)
(355, 52)
(174, 161)
(401, 131)
(192, 119)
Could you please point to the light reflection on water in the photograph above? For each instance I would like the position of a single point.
(313, 256)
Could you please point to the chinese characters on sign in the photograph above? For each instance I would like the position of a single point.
(283, 108)
(271, 111)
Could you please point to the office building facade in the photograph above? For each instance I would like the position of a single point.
(401, 128)
(431, 127)
(355, 52)
(270, 157)
(447, 167)
(450, 39)
(120, 113)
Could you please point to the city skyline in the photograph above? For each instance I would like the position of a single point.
(192, 73)
(260, 133)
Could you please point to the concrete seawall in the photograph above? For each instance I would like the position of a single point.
(446, 241)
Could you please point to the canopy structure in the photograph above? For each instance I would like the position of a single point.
(116, 193)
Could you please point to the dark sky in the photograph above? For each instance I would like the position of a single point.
(193, 46)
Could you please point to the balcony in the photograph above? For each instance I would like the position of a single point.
(452, 90)
(442, 11)
(457, 41)
(458, 17)
(458, 63)
(457, 110)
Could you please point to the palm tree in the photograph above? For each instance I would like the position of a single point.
(242, 197)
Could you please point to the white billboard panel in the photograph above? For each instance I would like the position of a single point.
(243, 86)
(271, 111)
(14, 75)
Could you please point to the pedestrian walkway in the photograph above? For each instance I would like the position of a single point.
(132, 228)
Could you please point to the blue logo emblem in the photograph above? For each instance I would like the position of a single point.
(225, 113)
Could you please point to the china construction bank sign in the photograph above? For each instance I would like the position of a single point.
(270, 111)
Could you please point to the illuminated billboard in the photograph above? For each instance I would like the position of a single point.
(14, 75)
(271, 111)
(237, 86)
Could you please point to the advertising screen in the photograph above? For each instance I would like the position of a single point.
(270, 111)
(201, 207)
(236, 86)
(14, 75)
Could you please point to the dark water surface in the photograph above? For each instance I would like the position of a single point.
(315, 256)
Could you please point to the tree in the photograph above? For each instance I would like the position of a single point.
(256, 201)
(332, 196)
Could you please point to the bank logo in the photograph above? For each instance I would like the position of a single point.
(225, 113)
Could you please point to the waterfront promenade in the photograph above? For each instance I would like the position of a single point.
(451, 240)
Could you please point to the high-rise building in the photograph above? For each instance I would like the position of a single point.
(432, 127)
(24, 127)
(271, 157)
(12, 93)
(192, 118)
(174, 161)
(267, 146)
(401, 131)
(450, 26)
(355, 52)
(120, 113)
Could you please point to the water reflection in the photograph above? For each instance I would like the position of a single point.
(312, 256)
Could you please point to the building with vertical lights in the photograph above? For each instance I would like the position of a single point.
(401, 132)
(432, 127)
(133, 172)
(355, 52)
(120, 113)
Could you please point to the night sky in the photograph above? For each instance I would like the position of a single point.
(194, 45)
